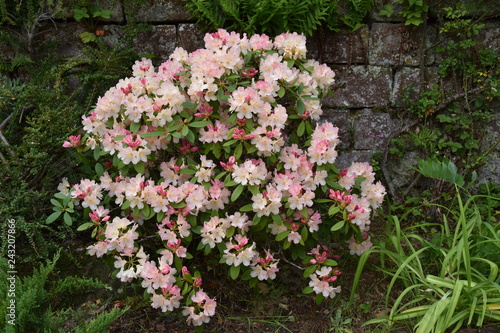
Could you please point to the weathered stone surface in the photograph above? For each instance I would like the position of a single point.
(66, 35)
(342, 120)
(344, 160)
(160, 42)
(400, 170)
(372, 130)
(397, 44)
(406, 86)
(361, 86)
(490, 172)
(165, 11)
(489, 36)
(191, 37)
(339, 47)
(409, 83)
(112, 34)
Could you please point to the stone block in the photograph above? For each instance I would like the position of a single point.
(360, 86)
(66, 36)
(406, 86)
(160, 42)
(397, 44)
(342, 120)
(112, 34)
(409, 84)
(342, 47)
(191, 37)
(373, 130)
(400, 170)
(157, 11)
(344, 160)
(489, 36)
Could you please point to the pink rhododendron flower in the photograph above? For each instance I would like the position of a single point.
(204, 153)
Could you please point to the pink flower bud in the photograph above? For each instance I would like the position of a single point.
(197, 282)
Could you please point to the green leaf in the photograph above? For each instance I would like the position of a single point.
(330, 262)
(97, 152)
(333, 210)
(125, 205)
(187, 171)
(246, 208)
(301, 107)
(238, 151)
(88, 37)
(199, 123)
(309, 270)
(234, 271)
(119, 138)
(301, 129)
(189, 105)
(281, 92)
(319, 299)
(85, 226)
(139, 167)
(99, 169)
(184, 131)
(304, 233)
(307, 290)
(237, 192)
(134, 127)
(282, 235)
(56, 203)
(52, 217)
(80, 13)
(152, 134)
(229, 143)
(443, 170)
(337, 226)
(254, 189)
(67, 219)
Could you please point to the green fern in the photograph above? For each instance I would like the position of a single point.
(357, 11)
(273, 17)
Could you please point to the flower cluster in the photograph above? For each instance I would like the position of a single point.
(215, 148)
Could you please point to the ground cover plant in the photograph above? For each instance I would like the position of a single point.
(33, 293)
(450, 279)
(220, 153)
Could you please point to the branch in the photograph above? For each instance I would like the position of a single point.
(6, 143)
(2, 125)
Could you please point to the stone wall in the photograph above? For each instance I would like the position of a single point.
(374, 67)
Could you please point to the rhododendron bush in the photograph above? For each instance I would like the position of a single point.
(220, 152)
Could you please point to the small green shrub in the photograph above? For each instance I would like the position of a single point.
(31, 294)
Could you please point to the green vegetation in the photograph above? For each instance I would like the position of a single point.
(33, 293)
(438, 254)
(449, 269)
(274, 17)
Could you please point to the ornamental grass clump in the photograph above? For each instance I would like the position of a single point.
(220, 152)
